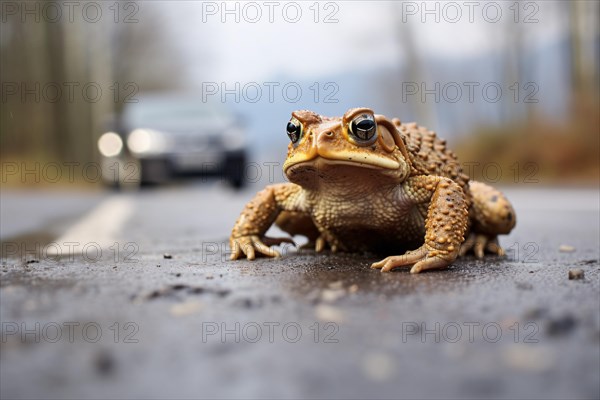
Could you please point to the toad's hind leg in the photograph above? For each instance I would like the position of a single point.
(299, 223)
(491, 215)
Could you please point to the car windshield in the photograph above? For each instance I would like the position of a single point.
(173, 111)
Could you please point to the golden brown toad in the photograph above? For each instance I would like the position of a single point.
(363, 182)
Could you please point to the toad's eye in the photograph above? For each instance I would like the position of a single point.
(363, 127)
(294, 130)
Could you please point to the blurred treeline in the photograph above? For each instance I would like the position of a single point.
(51, 69)
(542, 149)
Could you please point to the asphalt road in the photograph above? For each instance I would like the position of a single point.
(133, 322)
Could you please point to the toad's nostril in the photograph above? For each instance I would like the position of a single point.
(325, 136)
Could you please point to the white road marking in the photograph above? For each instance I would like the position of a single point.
(99, 228)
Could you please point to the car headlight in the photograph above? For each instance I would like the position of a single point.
(141, 141)
(110, 144)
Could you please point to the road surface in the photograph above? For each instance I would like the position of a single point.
(161, 312)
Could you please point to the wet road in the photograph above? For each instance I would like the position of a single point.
(133, 321)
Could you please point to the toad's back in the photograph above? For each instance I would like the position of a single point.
(429, 154)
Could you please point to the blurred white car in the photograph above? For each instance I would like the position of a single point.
(164, 136)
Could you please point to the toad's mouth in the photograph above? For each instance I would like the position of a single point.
(295, 163)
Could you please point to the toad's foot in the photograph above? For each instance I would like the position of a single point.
(479, 244)
(445, 225)
(252, 245)
(320, 244)
(421, 259)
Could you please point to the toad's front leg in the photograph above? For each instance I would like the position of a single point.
(247, 237)
(445, 225)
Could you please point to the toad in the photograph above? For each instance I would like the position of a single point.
(366, 183)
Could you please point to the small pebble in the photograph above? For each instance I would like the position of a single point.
(576, 273)
(565, 248)
(167, 256)
(353, 288)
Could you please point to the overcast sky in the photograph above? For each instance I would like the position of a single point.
(365, 35)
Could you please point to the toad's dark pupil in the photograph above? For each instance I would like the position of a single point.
(365, 124)
(291, 127)
(293, 132)
(364, 129)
